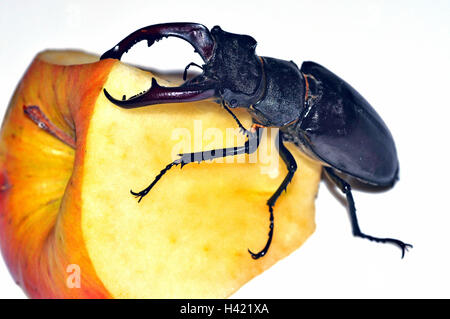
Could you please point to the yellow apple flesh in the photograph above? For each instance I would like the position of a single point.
(62, 208)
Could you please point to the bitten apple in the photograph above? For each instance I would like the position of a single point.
(69, 227)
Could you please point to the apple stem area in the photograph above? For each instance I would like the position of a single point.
(38, 117)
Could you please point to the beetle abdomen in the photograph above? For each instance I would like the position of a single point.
(344, 131)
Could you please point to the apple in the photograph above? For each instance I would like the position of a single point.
(69, 227)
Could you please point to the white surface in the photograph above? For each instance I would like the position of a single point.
(395, 53)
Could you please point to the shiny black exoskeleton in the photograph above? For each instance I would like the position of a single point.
(313, 108)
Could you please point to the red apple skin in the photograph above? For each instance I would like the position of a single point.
(40, 217)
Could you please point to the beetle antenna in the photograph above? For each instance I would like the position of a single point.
(241, 127)
(187, 67)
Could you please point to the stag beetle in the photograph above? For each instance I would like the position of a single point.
(312, 107)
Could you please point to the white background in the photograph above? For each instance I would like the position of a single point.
(395, 53)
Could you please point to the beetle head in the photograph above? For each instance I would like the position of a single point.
(232, 71)
(235, 68)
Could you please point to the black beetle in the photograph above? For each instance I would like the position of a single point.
(312, 107)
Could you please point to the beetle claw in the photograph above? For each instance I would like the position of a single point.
(404, 247)
(139, 195)
(194, 33)
(160, 94)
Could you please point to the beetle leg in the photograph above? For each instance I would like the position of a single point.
(250, 146)
(291, 165)
(346, 189)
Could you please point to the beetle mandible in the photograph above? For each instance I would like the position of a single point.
(312, 107)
